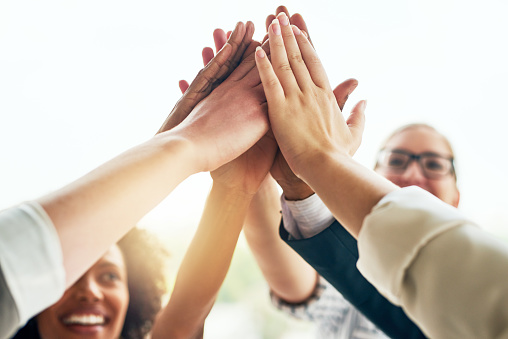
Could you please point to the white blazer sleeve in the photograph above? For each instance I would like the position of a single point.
(449, 276)
(32, 276)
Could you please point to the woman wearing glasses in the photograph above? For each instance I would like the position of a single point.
(413, 155)
(418, 155)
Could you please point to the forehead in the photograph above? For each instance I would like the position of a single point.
(418, 140)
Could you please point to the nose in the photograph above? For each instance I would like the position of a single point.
(87, 289)
(413, 175)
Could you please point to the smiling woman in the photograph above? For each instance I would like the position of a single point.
(117, 297)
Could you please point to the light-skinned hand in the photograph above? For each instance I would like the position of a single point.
(303, 111)
(294, 188)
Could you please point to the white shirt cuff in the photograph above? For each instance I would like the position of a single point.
(31, 259)
(305, 218)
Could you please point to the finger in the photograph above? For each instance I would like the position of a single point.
(239, 47)
(228, 34)
(183, 85)
(269, 18)
(271, 85)
(279, 58)
(207, 55)
(343, 90)
(241, 44)
(208, 75)
(282, 9)
(293, 53)
(356, 124)
(268, 21)
(251, 49)
(314, 65)
(265, 38)
(297, 20)
(219, 38)
(198, 89)
(247, 70)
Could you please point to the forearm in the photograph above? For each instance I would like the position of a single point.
(442, 264)
(205, 264)
(287, 274)
(96, 210)
(355, 189)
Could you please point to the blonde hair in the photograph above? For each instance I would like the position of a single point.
(419, 125)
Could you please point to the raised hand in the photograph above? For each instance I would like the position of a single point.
(220, 38)
(237, 106)
(214, 73)
(304, 114)
(293, 187)
(247, 172)
(295, 19)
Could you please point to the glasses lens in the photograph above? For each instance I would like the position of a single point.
(394, 160)
(436, 166)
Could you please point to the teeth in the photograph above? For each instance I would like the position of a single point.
(84, 319)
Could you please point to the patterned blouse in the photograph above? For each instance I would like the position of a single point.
(334, 316)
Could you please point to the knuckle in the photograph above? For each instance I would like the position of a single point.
(273, 82)
(284, 67)
(295, 57)
(314, 60)
(279, 43)
(287, 33)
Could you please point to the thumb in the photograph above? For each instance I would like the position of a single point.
(343, 90)
(183, 85)
(356, 124)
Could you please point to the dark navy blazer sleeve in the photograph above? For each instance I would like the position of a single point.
(333, 253)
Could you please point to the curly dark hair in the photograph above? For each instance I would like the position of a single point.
(145, 259)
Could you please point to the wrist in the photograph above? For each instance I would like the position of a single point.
(298, 191)
(312, 166)
(182, 150)
(232, 195)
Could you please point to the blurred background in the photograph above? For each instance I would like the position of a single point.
(81, 82)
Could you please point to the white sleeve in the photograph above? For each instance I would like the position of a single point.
(449, 276)
(32, 276)
(305, 218)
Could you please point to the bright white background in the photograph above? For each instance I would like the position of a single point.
(82, 81)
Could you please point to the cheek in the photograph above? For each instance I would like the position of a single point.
(48, 324)
(120, 302)
(444, 190)
(47, 321)
(393, 178)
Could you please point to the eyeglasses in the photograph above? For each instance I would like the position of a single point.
(433, 165)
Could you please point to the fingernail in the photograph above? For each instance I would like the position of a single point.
(296, 30)
(276, 27)
(260, 53)
(283, 19)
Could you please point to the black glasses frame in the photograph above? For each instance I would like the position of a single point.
(419, 159)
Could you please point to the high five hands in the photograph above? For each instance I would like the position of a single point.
(304, 113)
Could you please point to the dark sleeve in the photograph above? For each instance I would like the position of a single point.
(333, 253)
(29, 331)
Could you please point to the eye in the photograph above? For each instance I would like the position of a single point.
(396, 160)
(435, 164)
(110, 276)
